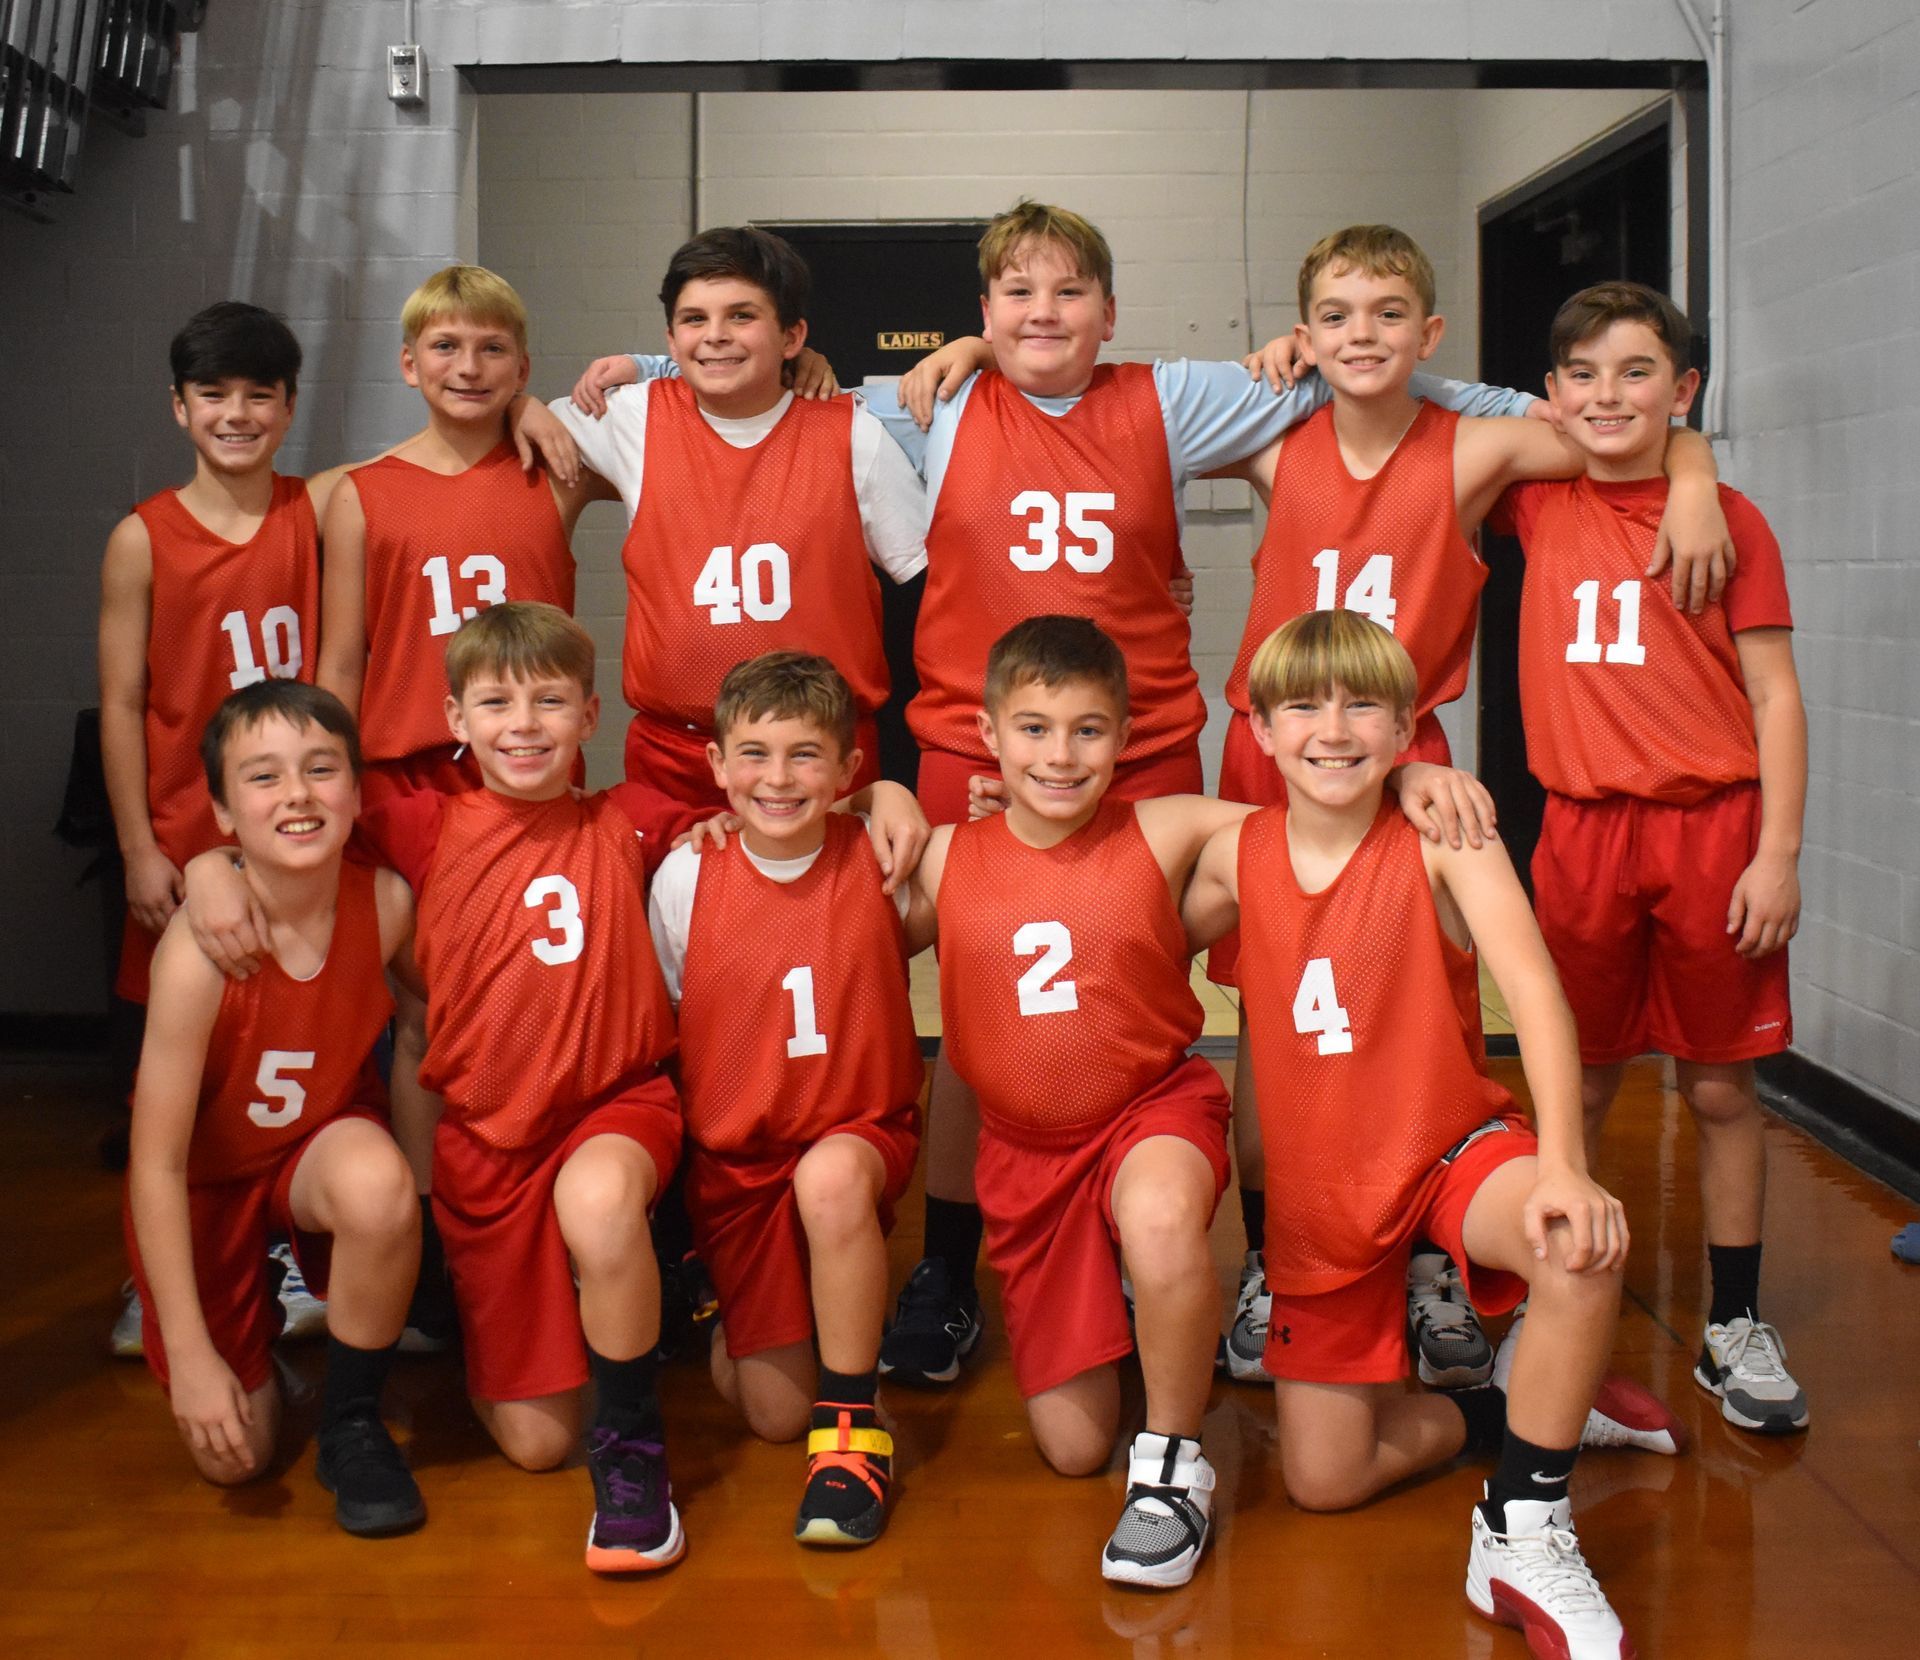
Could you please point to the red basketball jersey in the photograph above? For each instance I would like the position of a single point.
(1042, 513)
(1063, 973)
(225, 614)
(543, 991)
(440, 548)
(1388, 547)
(1365, 1023)
(1620, 692)
(794, 1017)
(287, 1055)
(734, 552)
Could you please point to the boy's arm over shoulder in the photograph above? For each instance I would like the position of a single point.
(670, 914)
(342, 664)
(393, 902)
(1492, 452)
(1178, 826)
(657, 819)
(922, 919)
(1764, 909)
(1211, 905)
(891, 497)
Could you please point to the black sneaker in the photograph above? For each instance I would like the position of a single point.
(933, 1330)
(849, 1479)
(373, 1490)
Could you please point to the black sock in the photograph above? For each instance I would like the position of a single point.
(1485, 1410)
(627, 1398)
(354, 1381)
(1253, 1216)
(953, 1235)
(839, 1390)
(1735, 1272)
(1526, 1472)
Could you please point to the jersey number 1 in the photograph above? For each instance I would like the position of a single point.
(1316, 1009)
(807, 1037)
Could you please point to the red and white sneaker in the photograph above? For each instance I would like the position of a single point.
(1533, 1577)
(1624, 1414)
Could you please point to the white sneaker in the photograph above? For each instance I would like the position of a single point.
(1442, 1329)
(1624, 1413)
(1745, 1364)
(1246, 1339)
(1533, 1576)
(1169, 1514)
(128, 1336)
(305, 1314)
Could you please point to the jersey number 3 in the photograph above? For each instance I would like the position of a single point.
(563, 919)
(1316, 1009)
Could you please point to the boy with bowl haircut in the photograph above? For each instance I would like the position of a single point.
(257, 1108)
(1665, 879)
(1362, 990)
(801, 1075)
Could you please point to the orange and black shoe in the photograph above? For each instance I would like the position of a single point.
(849, 1477)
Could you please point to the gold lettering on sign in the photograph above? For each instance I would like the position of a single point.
(909, 340)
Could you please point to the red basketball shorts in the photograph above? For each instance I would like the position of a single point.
(672, 757)
(942, 786)
(1358, 1332)
(231, 1224)
(747, 1229)
(1632, 898)
(446, 769)
(1247, 774)
(512, 1282)
(1050, 1232)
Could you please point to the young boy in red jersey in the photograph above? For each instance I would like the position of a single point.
(757, 517)
(1665, 880)
(216, 1168)
(801, 1075)
(1359, 976)
(1381, 494)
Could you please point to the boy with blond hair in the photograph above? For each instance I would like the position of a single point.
(801, 1074)
(1359, 975)
(1665, 878)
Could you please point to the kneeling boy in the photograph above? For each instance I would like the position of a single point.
(802, 1075)
(1362, 996)
(215, 1171)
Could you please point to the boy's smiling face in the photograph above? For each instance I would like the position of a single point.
(726, 336)
(467, 370)
(1335, 748)
(524, 733)
(1368, 333)
(291, 797)
(1046, 321)
(782, 775)
(234, 423)
(1616, 395)
(1057, 747)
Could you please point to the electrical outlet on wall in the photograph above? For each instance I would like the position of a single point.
(407, 74)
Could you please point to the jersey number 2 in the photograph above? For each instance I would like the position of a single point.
(563, 917)
(1316, 1008)
(1040, 992)
(271, 1081)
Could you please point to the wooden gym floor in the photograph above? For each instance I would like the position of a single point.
(1774, 1550)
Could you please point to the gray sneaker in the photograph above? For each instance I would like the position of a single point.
(1442, 1329)
(305, 1314)
(1744, 1362)
(128, 1339)
(1241, 1350)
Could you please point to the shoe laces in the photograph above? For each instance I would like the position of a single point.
(612, 1459)
(1439, 1309)
(358, 1442)
(1557, 1574)
(1754, 1352)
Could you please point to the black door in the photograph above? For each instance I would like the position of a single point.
(883, 297)
(1609, 219)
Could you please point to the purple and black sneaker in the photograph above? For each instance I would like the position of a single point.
(635, 1526)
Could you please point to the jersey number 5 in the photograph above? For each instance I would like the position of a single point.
(1040, 992)
(563, 917)
(289, 1092)
(1316, 1008)
(1043, 512)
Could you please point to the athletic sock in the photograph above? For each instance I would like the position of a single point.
(1735, 1272)
(1253, 1216)
(1485, 1410)
(953, 1235)
(1526, 1472)
(627, 1396)
(839, 1390)
(354, 1381)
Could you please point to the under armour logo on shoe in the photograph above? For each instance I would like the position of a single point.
(1286, 1334)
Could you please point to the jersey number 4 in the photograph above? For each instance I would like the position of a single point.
(279, 657)
(1044, 512)
(1316, 1009)
(272, 1081)
(1625, 646)
(1370, 592)
(763, 589)
(1041, 992)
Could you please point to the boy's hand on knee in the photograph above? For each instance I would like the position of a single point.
(224, 916)
(1446, 804)
(155, 888)
(1595, 1221)
(212, 1410)
(602, 375)
(1765, 909)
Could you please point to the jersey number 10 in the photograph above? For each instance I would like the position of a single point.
(279, 646)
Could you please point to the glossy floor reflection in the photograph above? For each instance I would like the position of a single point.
(1742, 1548)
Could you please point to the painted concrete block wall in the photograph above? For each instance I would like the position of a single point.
(1824, 360)
(283, 176)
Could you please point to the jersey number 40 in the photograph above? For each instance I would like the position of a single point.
(761, 587)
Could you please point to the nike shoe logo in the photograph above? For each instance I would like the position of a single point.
(1548, 1481)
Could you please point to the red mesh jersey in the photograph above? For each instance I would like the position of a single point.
(1071, 513)
(1388, 547)
(1620, 693)
(735, 552)
(1365, 1022)
(286, 1055)
(543, 990)
(1063, 973)
(794, 1018)
(441, 547)
(225, 614)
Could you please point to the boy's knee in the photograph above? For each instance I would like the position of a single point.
(602, 1203)
(533, 1443)
(1720, 1101)
(380, 1203)
(1164, 1235)
(831, 1192)
(1322, 1486)
(1075, 1452)
(775, 1420)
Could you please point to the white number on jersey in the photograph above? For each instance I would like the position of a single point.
(279, 647)
(1370, 592)
(489, 579)
(1039, 992)
(1043, 512)
(1316, 1008)
(289, 1092)
(1625, 646)
(764, 590)
(807, 1037)
(563, 917)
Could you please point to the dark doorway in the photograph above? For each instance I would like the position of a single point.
(883, 297)
(1604, 214)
